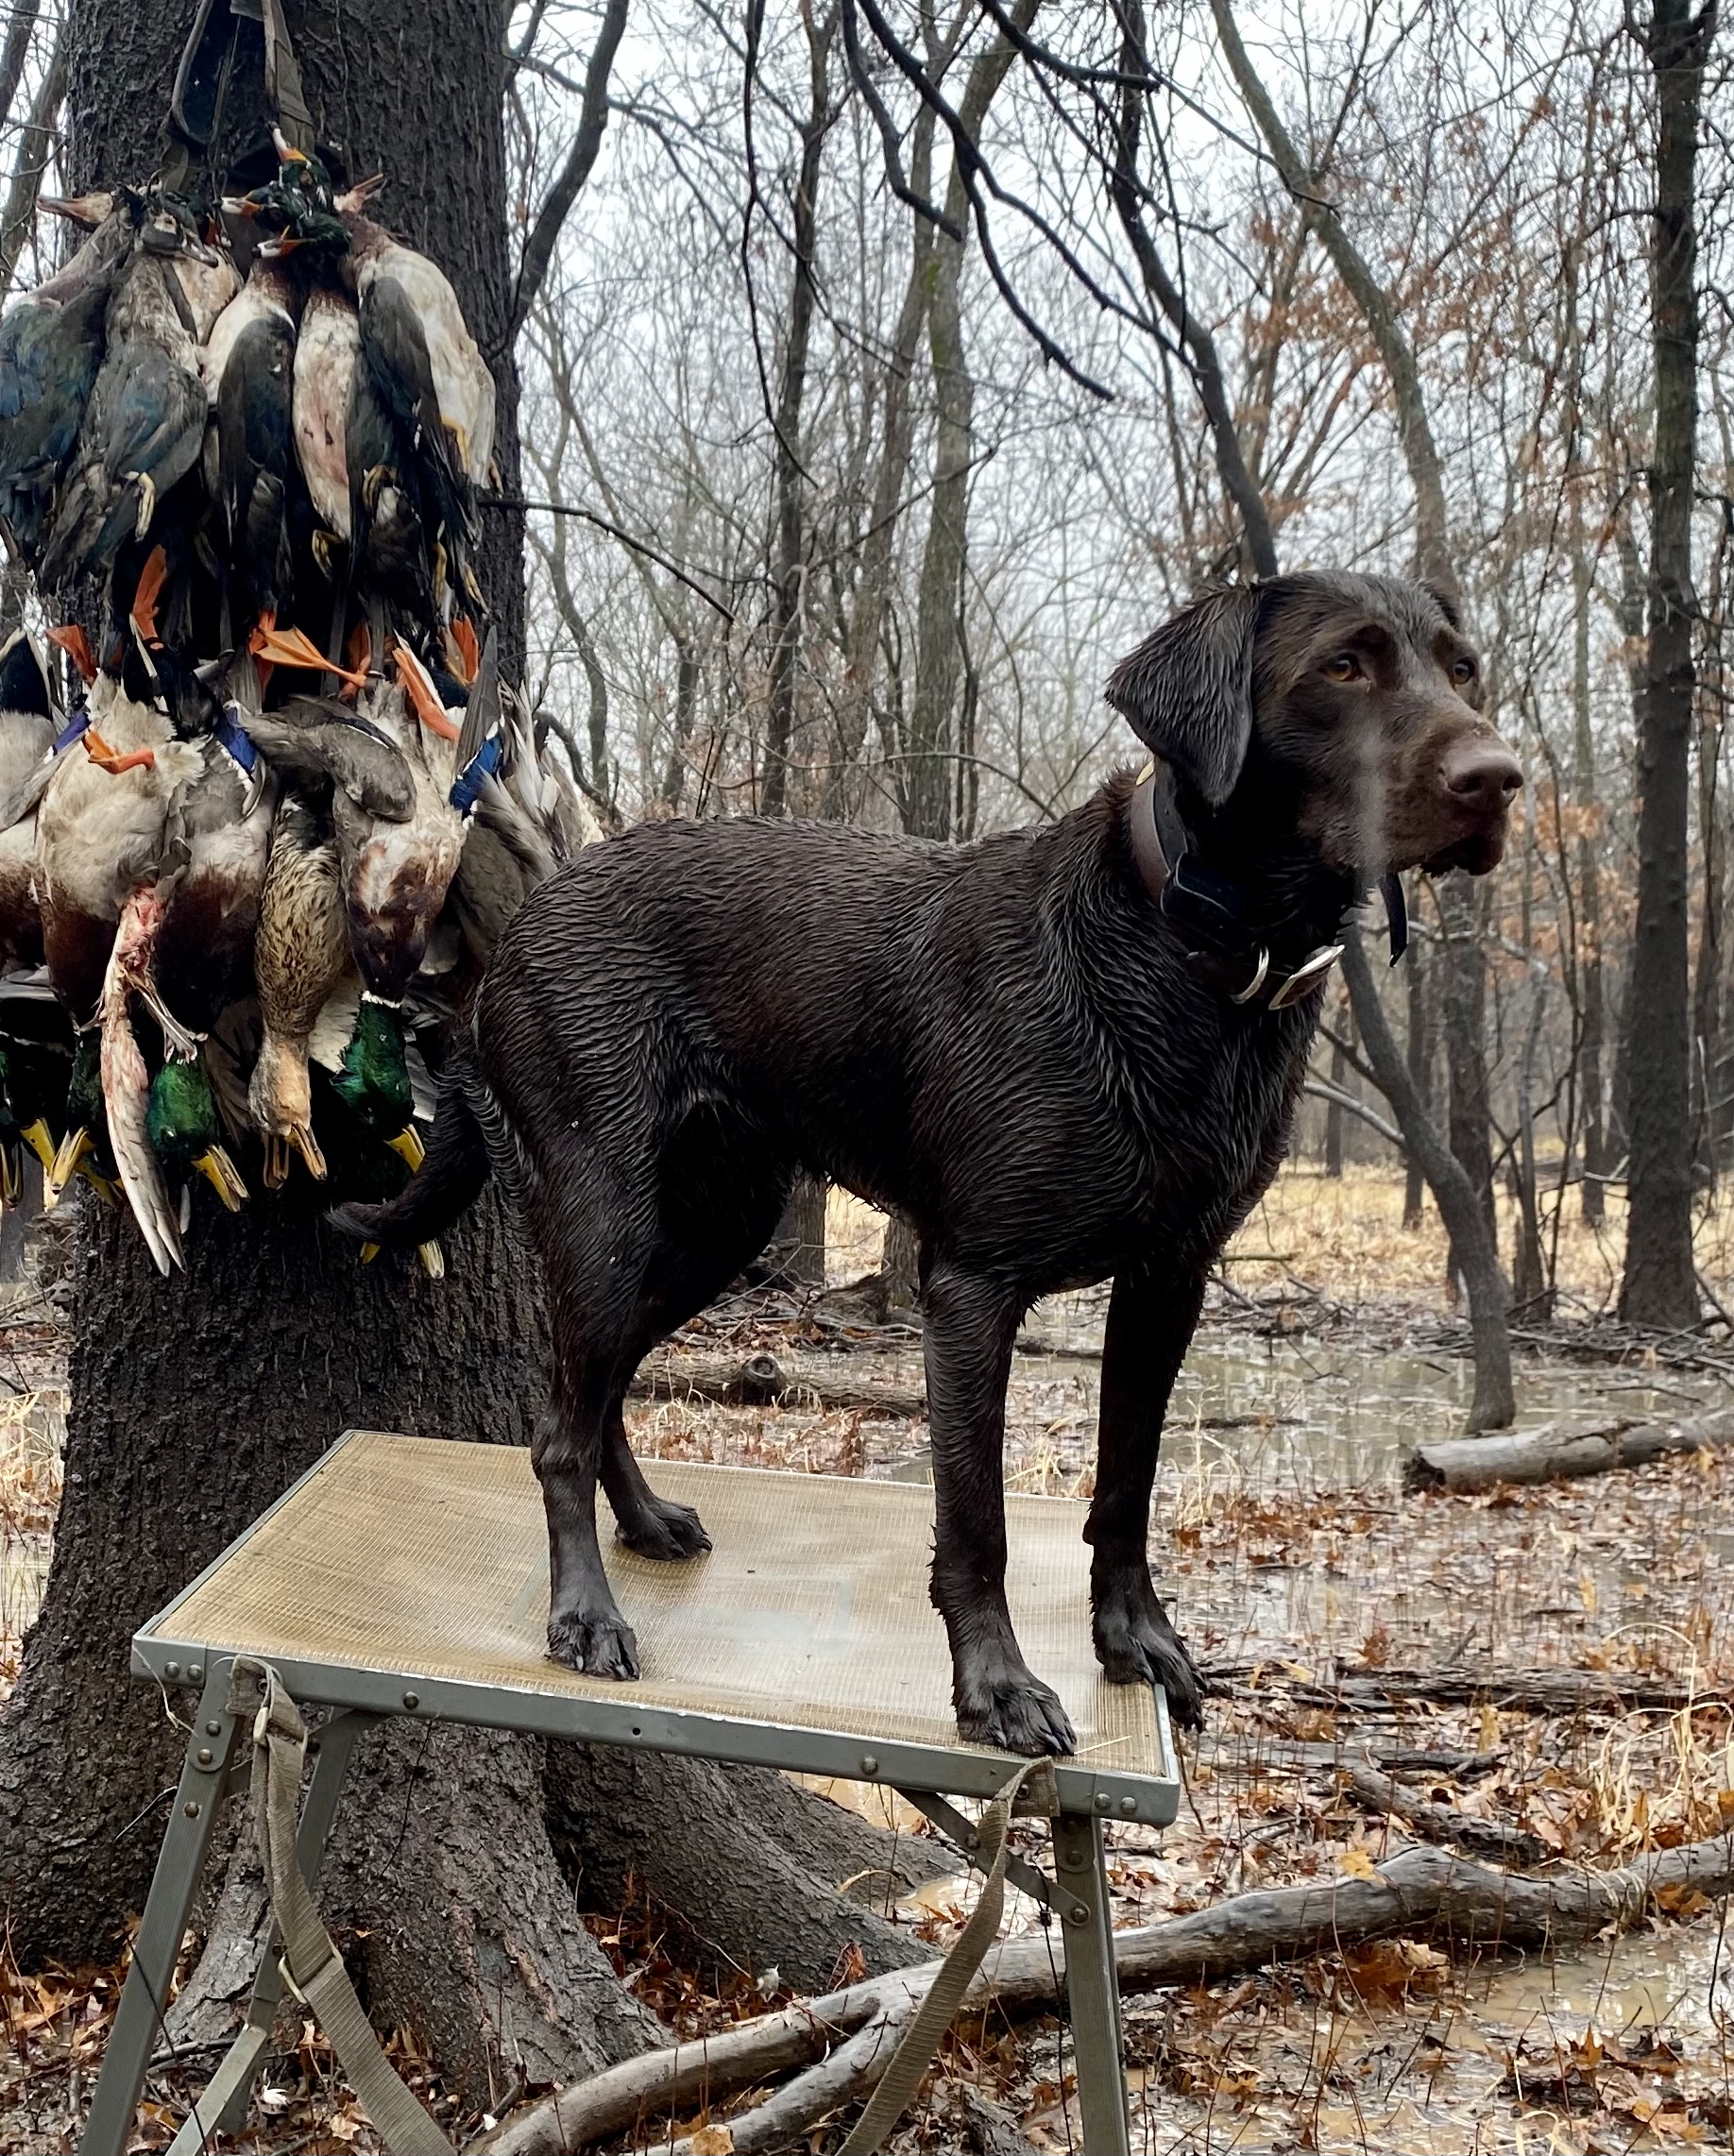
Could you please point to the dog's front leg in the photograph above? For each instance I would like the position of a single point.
(1150, 1320)
(970, 1324)
(585, 1629)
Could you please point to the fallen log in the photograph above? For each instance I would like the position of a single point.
(1556, 1454)
(762, 1381)
(1534, 1690)
(1422, 1889)
(1383, 1794)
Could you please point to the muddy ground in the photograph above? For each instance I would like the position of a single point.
(1294, 1559)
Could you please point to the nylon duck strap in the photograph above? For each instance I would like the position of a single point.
(933, 2017)
(311, 1965)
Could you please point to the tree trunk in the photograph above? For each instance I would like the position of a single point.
(1420, 1059)
(796, 1254)
(891, 476)
(1658, 1286)
(1594, 1150)
(1465, 1000)
(790, 473)
(1489, 1296)
(1333, 1108)
(900, 1267)
(195, 1401)
(938, 659)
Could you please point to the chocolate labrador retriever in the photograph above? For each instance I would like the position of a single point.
(1068, 1054)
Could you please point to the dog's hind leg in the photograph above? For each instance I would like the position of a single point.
(1150, 1321)
(970, 1324)
(722, 1193)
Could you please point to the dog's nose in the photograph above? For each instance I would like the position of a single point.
(1482, 775)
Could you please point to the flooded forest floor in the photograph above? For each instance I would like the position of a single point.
(1322, 1595)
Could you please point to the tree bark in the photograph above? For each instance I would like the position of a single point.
(1658, 1286)
(1490, 1296)
(195, 1401)
(790, 471)
(939, 661)
(1594, 1147)
(1465, 1000)
(1418, 1053)
(891, 476)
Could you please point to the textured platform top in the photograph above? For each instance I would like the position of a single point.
(409, 1575)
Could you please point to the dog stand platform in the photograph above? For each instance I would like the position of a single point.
(409, 1576)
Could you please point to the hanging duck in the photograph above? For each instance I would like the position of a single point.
(99, 832)
(429, 372)
(299, 956)
(145, 419)
(26, 735)
(51, 346)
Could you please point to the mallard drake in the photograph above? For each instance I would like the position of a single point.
(363, 1171)
(299, 956)
(99, 832)
(26, 735)
(358, 1044)
(36, 1060)
(84, 1149)
(51, 347)
(146, 418)
(180, 1121)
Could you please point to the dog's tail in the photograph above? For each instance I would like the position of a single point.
(470, 1131)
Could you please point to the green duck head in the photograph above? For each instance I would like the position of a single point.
(373, 1080)
(180, 1121)
(84, 1149)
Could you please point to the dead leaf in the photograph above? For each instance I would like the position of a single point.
(712, 2141)
(1357, 1864)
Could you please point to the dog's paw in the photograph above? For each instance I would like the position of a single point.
(665, 1530)
(1017, 1713)
(598, 1641)
(1136, 1645)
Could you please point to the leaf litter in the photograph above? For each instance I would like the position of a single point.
(1306, 1580)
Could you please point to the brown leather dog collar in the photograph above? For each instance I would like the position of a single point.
(1241, 979)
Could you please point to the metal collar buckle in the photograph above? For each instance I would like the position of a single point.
(1306, 975)
(1257, 982)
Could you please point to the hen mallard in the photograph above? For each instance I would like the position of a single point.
(299, 956)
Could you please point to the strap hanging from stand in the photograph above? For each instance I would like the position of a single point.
(311, 1964)
(283, 80)
(936, 2012)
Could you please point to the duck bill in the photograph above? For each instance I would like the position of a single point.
(308, 1146)
(369, 1252)
(39, 1139)
(220, 1172)
(433, 1260)
(75, 1147)
(409, 1147)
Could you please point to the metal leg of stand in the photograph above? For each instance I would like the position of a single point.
(1093, 1988)
(138, 2021)
(223, 2106)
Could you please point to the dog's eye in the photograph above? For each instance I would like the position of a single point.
(1463, 672)
(1343, 667)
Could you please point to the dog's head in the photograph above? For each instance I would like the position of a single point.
(1350, 703)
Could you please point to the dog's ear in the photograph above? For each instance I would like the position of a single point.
(1446, 597)
(1187, 690)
